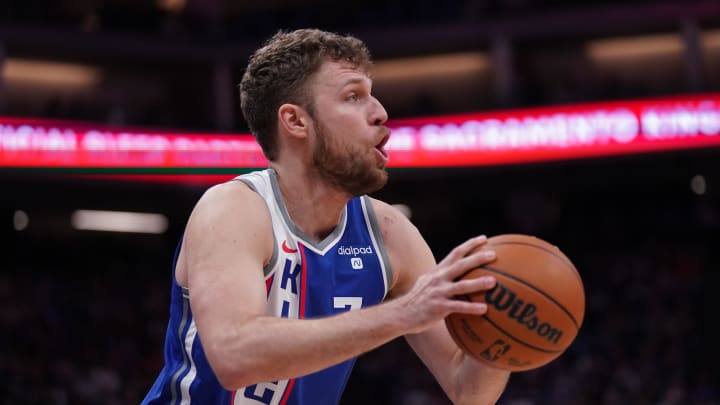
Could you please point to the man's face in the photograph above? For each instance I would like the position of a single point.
(349, 129)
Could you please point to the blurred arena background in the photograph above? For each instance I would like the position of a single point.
(83, 313)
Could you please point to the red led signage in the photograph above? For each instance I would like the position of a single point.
(554, 133)
(489, 138)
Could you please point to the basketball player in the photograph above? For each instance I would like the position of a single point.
(284, 276)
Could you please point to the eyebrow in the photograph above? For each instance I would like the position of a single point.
(354, 80)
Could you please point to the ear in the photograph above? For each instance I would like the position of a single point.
(294, 120)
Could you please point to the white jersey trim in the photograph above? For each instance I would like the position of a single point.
(260, 182)
(190, 376)
(376, 236)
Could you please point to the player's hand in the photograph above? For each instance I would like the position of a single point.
(432, 297)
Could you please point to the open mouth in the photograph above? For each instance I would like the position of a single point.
(381, 146)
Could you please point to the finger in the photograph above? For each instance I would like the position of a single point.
(474, 260)
(472, 285)
(465, 248)
(467, 307)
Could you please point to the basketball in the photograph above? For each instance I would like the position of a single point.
(534, 312)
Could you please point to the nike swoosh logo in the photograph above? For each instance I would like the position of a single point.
(287, 249)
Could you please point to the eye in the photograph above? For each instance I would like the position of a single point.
(353, 97)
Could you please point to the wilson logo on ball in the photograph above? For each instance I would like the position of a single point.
(505, 300)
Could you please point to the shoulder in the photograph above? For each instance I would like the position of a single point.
(392, 223)
(230, 196)
(230, 210)
(407, 250)
(229, 221)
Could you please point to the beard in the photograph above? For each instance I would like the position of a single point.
(354, 170)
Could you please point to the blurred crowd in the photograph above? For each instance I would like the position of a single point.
(85, 336)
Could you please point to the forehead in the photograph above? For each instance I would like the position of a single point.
(334, 75)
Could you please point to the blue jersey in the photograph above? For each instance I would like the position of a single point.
(347, 270)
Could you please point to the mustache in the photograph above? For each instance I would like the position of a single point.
(384, 131)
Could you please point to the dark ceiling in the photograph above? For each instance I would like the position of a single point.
(174, 63)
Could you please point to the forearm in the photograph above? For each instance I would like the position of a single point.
(270, 348)
(464, 379)
(476, 383)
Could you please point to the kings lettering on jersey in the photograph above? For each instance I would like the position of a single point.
(263, 393)
(288, 285)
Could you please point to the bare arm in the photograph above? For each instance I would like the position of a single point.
(464, 380)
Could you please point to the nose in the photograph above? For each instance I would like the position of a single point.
(379, 116)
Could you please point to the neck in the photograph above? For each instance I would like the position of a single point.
(313, 205)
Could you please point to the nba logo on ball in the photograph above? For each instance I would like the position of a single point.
(494, 351)
(534, 312)
(356, 263)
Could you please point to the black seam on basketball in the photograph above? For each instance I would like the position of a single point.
(459, 340)
(565, 260)
(540, 349)
(455, 333)
(572, 318)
